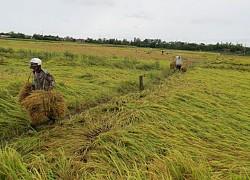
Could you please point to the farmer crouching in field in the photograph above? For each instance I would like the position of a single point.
(178, 61)
(43, 80)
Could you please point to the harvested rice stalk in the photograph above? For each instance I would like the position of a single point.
(184, 67)
(172, 65)
(25, 91)
(43, 105)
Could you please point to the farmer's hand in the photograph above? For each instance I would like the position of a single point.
(50, 87)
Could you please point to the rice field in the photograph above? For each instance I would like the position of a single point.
(192, 125)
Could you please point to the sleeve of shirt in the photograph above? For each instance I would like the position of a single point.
(51, 80)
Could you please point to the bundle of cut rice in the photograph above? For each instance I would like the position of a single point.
(25, 91)
(184, 67)
(172, 65)
(44, 105)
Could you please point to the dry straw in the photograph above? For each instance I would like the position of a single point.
(172, 65)
(25, 91)
(184, 67)
(43, 105)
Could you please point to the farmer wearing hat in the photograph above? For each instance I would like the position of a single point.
(43, 80)
(178, 61)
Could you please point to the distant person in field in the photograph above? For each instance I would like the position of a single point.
(162, 52)
(178, 61)
(150, 51)
(43, 80)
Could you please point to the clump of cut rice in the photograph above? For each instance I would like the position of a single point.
(184, 67)
(25, 91)
(43, 105)
(172, 65)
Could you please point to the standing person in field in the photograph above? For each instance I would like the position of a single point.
(178, 61)
(43, 80)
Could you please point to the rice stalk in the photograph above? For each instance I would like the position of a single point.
(25, 91)
(42, 105)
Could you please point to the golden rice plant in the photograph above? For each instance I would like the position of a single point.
(184, 67)
(172, 65)
(12, 165)
(25, 91)
(42, 105)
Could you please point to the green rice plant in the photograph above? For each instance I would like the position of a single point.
(63, 167)
(13, 119)
(12, 166)
(2, 60)
(39, 167)
(127, 63)
(148, 66)
(96, 60)
(128, 86)
(6, 50)
(69, 55)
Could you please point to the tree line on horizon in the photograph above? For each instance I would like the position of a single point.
(150, 43)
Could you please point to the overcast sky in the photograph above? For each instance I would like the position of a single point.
(207, 21)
